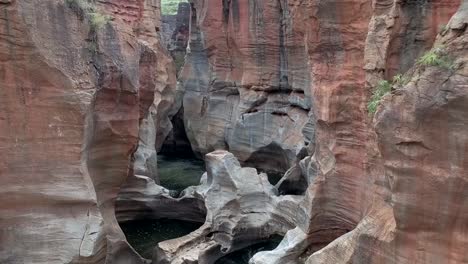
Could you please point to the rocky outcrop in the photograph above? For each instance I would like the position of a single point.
(77, 79)
(238, 207)
(349, 210)
(175, 33)
(242, 208)
(399, 34)
(246, 83)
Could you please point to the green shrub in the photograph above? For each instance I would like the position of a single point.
(436, 57)
(400, 80)
(82, 5)
(170, 7)
(384, 87)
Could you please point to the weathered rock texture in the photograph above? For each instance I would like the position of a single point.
(239, 81)
(351, 189)
(242, 208)
(283, 85)
(73, 95)
(246, 82)
(176, 33)
(422, 142)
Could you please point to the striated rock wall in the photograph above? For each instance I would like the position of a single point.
(349, 46)
(77, 80)
(421, 141)
(245, 82)
(399, 33)
(86, 93)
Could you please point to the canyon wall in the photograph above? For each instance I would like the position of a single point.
(87, 95)
(246, 64)
(419, 133)
(246, 83)
(78, 80)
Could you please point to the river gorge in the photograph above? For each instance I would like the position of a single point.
(233, 131)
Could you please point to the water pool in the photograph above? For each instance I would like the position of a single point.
(144, 235)
(176, 174)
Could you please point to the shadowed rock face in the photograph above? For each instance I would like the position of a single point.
(237, 205)
(245, 81)
(73, 95)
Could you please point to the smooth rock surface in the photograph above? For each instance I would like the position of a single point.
(72, 97)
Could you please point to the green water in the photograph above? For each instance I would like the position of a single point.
(176, 174)
(244, 255)
(144, 235)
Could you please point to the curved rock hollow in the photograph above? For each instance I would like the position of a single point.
(91, 91)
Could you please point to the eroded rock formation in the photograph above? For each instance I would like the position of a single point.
(238, 206)
(281, 84)
(77, 78)
(246, 82)
(427, 219)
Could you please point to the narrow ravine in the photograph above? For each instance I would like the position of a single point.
(180, 168)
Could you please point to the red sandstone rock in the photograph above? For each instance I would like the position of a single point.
(72, 101)
(417, 217)
(262, 78)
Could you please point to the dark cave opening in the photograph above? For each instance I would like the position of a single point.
(271, 160)
(177, 143)
(293, 182)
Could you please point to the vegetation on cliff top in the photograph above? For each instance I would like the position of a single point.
(436, 57)
(170, 7)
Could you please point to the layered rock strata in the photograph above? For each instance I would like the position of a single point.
(283, 85)
(245, 81)
(349, 188)
(77, 79)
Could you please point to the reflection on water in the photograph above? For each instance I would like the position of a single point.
(244, 255)
(179, 173)
(144, 235)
